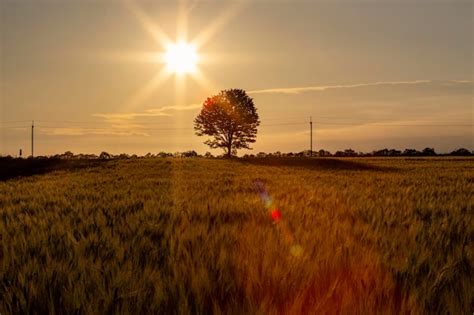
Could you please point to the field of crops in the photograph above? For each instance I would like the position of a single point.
(261, 236)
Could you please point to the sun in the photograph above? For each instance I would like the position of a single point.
(181, 58)
(177, 56)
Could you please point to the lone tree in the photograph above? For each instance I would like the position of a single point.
(230, 118)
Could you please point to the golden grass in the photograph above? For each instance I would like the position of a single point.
(181, 236)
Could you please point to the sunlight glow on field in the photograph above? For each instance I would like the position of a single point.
(190, 235)
(295, 249)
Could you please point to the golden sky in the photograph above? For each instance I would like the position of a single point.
(372, 74)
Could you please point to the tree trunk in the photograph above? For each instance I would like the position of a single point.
(229, 147)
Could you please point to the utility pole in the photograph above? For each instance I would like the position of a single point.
(32, 138)
(311, 135)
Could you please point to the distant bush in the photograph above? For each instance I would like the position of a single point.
(428, 152)
(68, 155)
(387, 152)
(164, 154)
(411, 152)
(323, 153)
(190, 153)
(105, 156)
(461, 152)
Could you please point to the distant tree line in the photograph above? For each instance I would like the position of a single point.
(306, 153)
(353, 153)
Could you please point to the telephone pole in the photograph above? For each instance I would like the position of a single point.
(311, 136)
(32, 138)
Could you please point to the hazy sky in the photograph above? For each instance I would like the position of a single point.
(372, 74)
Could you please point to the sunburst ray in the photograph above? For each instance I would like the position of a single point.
(147, 23)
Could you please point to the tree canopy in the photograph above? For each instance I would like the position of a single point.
(230, 118)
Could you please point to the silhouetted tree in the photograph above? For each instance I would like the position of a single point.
(346, 152)
(67, 155)
(105, 156)
(461, 152)
(350, 152)
(383, 152)
(411, 152)
(323, 153)
(393, 152)
(428, 152)
(230, 118)
(306, 153)
(191, 153)
(164, 154)
(387, 152)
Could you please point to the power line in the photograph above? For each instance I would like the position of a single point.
(13, 127)
(14, 122)
(137, 126)
(286, 119)
(279, 124)
(302, 118)
(112, 127)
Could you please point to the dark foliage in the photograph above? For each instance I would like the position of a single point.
(310, 163)
(461, 152)
(230, 118)
(11, 168)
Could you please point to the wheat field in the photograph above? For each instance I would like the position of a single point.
(256, 236)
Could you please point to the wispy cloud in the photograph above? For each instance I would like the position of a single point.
(154, 112)
(113, 131)
(297, 90)
(119, 124)
(178, 107)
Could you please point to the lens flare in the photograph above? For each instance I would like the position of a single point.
(276, 215)
(268, 201)
(295, 249)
